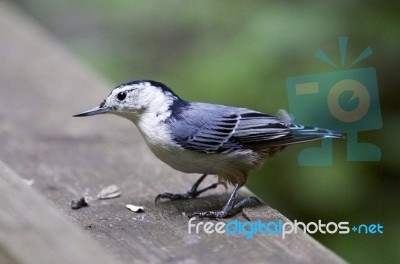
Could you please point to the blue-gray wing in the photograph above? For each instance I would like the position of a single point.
(216, 128)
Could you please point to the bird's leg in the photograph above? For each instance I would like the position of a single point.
(230, 207)
(192, 193)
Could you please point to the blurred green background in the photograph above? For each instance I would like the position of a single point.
(241, 53)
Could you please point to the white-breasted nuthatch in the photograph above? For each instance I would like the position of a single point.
(205, 138)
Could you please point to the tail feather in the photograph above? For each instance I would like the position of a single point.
(305, 134)
(300, 131)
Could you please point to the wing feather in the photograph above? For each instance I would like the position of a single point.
(215, 128)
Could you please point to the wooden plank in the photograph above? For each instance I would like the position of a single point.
(32, 231)
(42, 85)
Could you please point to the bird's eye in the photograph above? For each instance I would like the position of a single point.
(121, 96)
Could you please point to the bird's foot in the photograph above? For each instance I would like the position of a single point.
(230, 208)
(192, 193)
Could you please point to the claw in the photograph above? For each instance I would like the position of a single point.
(245, 216)
(172, 196)
(192, 193)
(230, 208)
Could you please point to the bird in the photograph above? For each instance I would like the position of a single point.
(205, 138)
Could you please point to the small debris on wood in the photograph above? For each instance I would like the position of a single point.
(134, 208)
(88, 198)
(109, 192)
(30, 182)
(77, 204)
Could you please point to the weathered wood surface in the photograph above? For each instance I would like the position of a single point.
(41, 86)
(32, 231)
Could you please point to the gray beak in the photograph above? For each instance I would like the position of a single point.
(94, 111)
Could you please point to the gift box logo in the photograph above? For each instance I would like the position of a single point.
(346, 100)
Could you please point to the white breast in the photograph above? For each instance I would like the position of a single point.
(232, 166)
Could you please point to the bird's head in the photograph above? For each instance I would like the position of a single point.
(131, 100)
